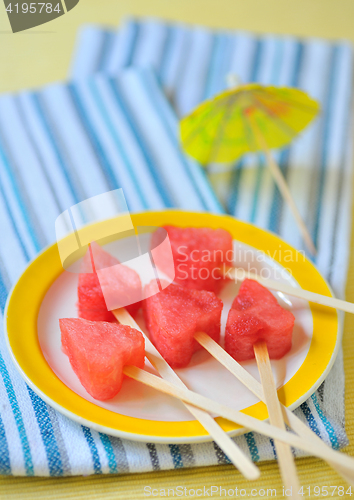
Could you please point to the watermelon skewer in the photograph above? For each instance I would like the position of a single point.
(257, 326)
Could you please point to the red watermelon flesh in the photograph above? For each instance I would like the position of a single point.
(198, 255)
(98, 352)
(96, 314)
(117, 279)
(256, 315)
(174, 315)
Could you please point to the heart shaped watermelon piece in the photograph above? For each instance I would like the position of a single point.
(98, 352)
(256, 315)
(174, 315)
(199, 254)
(116, 279)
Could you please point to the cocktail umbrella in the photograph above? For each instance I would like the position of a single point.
(250, 118)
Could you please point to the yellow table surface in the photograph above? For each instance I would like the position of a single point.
(43, 54)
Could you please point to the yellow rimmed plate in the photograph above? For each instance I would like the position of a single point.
(44, 293)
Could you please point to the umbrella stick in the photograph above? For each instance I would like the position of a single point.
(255, 387)
(285, 457)
(317, 298)
(284, 189)
(229, 447)
(282, 185)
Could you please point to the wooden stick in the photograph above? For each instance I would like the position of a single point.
(235, 416)
(239, 274)
(229, 447)
(255, 387)
(284, 453)
(285, 192)
(282, 185)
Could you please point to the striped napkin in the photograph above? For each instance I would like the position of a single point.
(68, 142)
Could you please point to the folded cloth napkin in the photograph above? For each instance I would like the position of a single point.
(63, 144)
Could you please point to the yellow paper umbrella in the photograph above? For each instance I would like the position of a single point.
(250, 118)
